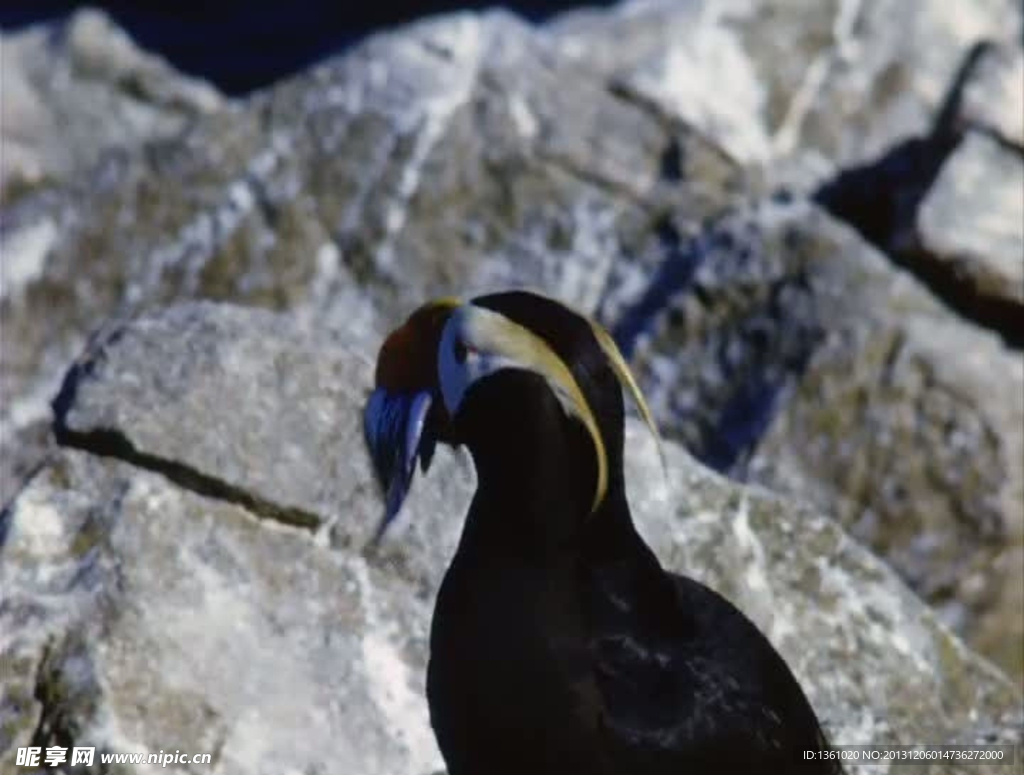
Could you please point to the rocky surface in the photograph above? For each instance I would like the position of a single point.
(973, 219)
(994, 100)
(595, 158)
(475, 166)
(843, 79)
(779, 347)
(146, 563)
(81, 87)
(72, 94)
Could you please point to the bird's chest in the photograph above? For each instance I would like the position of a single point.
(509, 678)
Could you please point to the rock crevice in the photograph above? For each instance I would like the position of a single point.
(203, 499)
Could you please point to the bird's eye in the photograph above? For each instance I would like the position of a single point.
(460, 351)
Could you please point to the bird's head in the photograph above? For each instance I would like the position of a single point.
(461, 372)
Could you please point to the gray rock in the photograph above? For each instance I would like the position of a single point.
(685, 57)
(835, 82)
(113, 399)
(595, 159)
(890, 68)
(139, 616)
(74, 97)
(138, 613)
(972, 220)
(447, 157)
(780, 348)
(994, 97)
(74, 89)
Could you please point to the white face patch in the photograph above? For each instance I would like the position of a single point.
(478, 342)
(461, 361)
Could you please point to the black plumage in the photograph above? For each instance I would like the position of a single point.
(559, 645)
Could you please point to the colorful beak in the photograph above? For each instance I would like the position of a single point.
(393, 424)
(398, 423)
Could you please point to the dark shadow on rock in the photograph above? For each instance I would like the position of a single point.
(881, 201)
(764, 333)
(674, 274)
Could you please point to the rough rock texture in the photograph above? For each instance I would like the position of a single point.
(946, 205)
(140, 616)
(973, 219)
(994, 99)
(143, 569)
(75, 89)
(598, 160)
(779, 347)
(73, 95)
(447, 156)
(767, 78)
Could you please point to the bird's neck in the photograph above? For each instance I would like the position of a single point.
(536, 476)
(537, 511)
(611, 541)
(534, 509)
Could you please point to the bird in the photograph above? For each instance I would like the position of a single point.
(559, 644)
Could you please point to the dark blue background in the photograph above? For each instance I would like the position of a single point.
(243, 44)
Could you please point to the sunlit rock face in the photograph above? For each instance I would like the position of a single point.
(190, 311)
(207, 587)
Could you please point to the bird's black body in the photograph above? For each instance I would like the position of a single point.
(559, 645)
